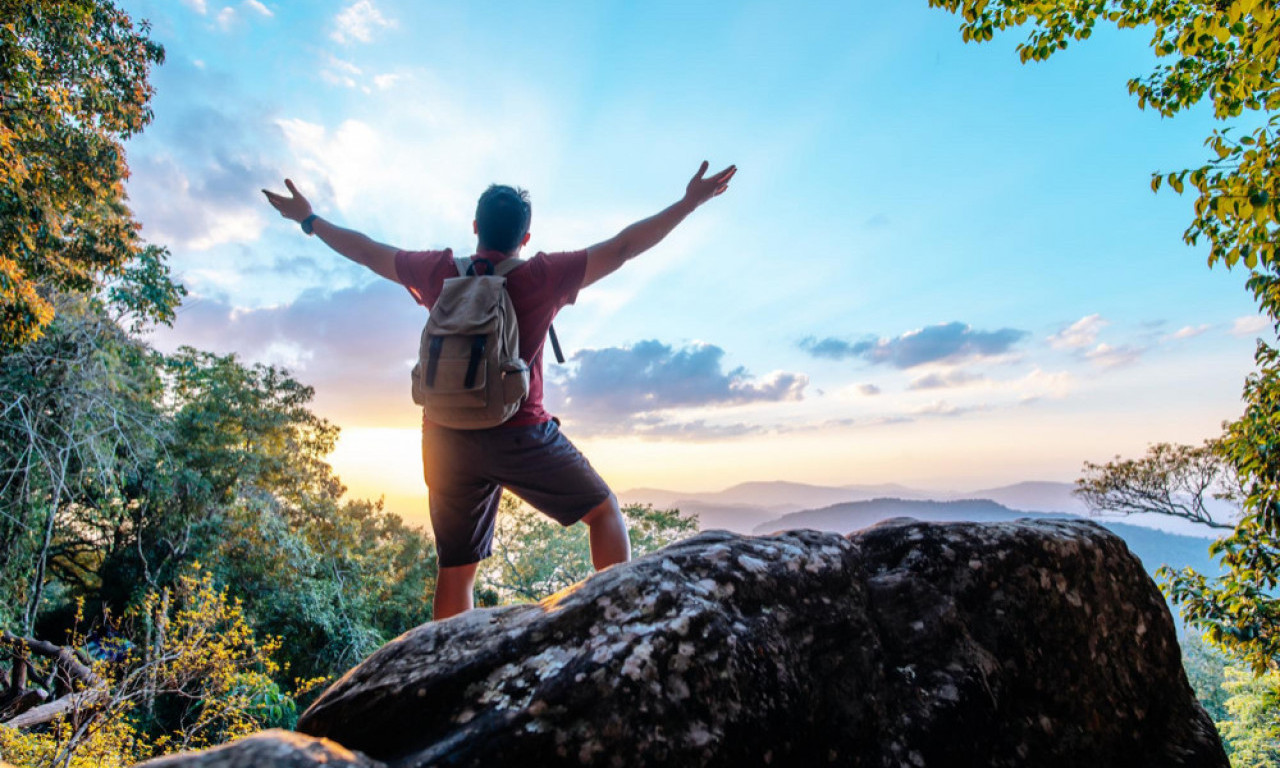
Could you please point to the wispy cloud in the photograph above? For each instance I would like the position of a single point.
(199, 6)
(338, 71)
(358, 22)
(202, 190)
(355, 346)
(1188, 332)
(1107, 356)
(943, 408)
(945, 380)
(259, 8)
(1249, 325)
(946, 342)
(1082, 333)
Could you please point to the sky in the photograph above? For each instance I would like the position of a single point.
(936, 266)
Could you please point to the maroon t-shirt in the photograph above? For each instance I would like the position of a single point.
(538, 289)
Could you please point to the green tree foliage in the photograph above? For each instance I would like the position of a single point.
(1252, 730)
(1228, 52)
(73, 86)
(1174, 480)
(534, 557)
(1239, 611)
(119, 468)
(78, 411)
(1245, 706)
(1205, 666)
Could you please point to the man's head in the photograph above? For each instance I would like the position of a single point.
(502, 218)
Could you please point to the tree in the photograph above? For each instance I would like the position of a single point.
(1173, 480)
(535, 557)
(182, 669)
(1253, 730)
(1226, 51)
(74, 86)
(77, 412)
(1237, 612)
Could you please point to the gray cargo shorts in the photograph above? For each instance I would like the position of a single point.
(466, 471)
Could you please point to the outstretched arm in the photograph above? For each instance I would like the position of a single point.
(604, 258)
(355, 246)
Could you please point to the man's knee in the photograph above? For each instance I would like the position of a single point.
(458, 577)
(607, 510)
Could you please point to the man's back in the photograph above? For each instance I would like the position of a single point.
(539, 289)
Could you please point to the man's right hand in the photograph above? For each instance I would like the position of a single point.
(701, 189)
(295, 207)
(604, 258)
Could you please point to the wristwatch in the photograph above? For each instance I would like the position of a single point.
(307, 224)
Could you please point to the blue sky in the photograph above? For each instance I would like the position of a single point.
(935, 266)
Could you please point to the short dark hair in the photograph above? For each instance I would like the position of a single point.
(502, 217)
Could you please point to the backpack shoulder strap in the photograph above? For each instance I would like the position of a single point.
(507, 266)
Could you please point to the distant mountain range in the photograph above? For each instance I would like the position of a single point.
(767, 507)
(741, 508)
(1154, 547)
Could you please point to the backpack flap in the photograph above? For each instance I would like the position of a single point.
(470, 311)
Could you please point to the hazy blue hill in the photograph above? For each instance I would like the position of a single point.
(1153, 547)
(1036, 496)
(1156, 548)
(843, 518)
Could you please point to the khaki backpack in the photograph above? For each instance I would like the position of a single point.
(469, 373)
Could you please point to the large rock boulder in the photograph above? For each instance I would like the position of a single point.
(908, 644)
(269, 749)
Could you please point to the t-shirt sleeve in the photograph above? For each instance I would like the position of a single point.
(564, 275)
(423, 273)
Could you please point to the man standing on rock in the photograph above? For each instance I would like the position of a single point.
(467, 470)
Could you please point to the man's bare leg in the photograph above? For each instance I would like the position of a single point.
(455, 591)
(610, 543)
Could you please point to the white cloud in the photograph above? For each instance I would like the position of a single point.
(938, 408)
(1107, 356)
(383, 82)
(197, 206)
(258, 8)
(199, 6)
(1082, 333)
(1249, 325)
(340, 72)
(357, 22)
(1040, 383)
(1188, 332)
(227, 17)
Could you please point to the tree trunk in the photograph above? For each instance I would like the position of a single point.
(37, 580)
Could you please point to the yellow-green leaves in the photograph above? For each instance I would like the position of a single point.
(74, 87)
